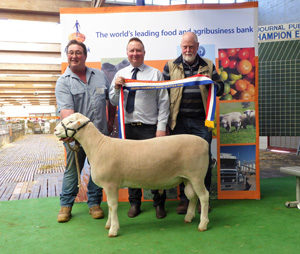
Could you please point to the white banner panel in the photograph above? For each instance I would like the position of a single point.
(160, 29)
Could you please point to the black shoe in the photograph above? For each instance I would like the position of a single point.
(182, 207)
(134, 211)
(160, 212)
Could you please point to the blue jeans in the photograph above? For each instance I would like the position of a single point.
(70, 182)
(194, 126)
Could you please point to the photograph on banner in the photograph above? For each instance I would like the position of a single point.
(237, 123)
(238, 168)
(213, 192)
(110, 66)
(237, 71)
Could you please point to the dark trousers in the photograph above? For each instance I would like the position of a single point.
(140, 132)
(194, 126)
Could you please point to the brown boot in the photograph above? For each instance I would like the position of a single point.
(96, 212)
(134, 211)
(64, 214)
(182, 207)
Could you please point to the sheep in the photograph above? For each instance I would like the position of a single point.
(250, 116)
(244, 121)
(157, 163)
(231, 119)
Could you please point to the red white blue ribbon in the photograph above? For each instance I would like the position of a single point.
(198, 79)
(121, 116)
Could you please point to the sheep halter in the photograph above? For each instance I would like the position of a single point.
(74, 130)
(198, 79)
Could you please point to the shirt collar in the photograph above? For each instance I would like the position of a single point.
(70, 73)
(141, 67)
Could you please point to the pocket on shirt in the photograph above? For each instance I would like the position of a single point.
(101, 91)
(100, 96)
(78, 93)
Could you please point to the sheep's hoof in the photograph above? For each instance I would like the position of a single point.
(107, 227)
(202, 227)
(188, 218)
(113, 232)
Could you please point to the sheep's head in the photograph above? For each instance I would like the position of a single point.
(224, 123)
(70, 125)
(248, 112)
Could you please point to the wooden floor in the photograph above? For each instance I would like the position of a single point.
(31, 167)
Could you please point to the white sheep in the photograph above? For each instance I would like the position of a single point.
(231, 119)
(244, 121)
(250, 116)
(157, 163)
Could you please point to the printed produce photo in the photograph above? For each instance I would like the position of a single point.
(237, 71)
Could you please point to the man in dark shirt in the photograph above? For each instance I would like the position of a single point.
(188, 104)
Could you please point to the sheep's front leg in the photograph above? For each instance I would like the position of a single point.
(112, 201)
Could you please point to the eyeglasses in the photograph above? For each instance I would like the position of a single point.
(76, 53)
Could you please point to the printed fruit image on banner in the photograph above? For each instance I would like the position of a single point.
(237, 71)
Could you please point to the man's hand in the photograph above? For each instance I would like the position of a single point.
(120, 81)
(67, 140)
(63, 114)
(160, 133)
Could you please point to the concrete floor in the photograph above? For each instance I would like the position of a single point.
(270, 163)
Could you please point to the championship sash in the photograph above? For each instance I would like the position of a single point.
(132, 85)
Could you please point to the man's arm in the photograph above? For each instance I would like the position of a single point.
(217, 81)
(163, 110)
(114, 90)
(64, 102)
(166, 72)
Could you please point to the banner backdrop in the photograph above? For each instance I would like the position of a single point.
(227, 35)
